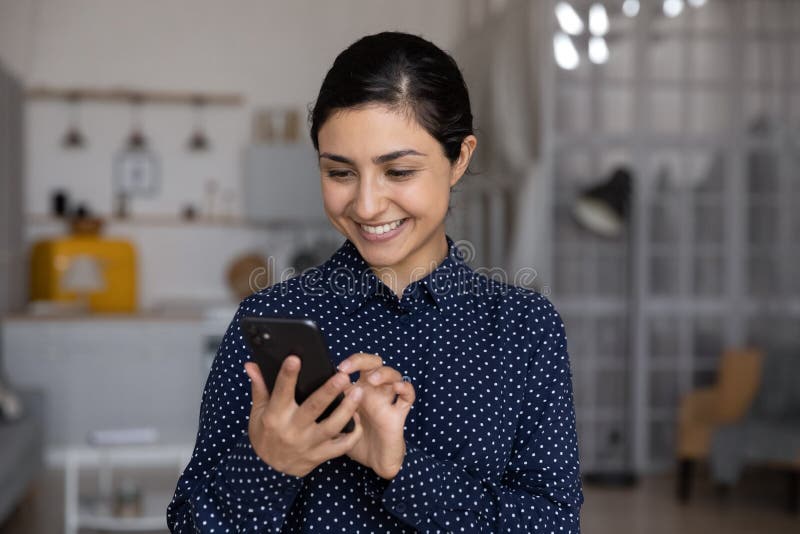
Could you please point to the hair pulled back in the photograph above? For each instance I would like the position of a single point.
(406, 73)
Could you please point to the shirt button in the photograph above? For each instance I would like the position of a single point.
(288, 491)
(405, 318)
(401, 508)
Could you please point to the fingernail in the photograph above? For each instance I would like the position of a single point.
(374, 378)
(344, 366)
(356, 393)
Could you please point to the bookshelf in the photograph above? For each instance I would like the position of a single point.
(705, 108)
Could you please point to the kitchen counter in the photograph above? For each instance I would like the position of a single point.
(170, 310)
(114, 371)
(85, 318)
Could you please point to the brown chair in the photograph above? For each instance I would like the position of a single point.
(705, 409)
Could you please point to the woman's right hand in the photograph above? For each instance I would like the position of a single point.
(286, 435)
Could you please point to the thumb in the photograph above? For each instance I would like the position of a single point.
(260, 393)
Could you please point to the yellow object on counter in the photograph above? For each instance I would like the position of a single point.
(85, 266)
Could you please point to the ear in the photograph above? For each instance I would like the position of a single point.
(460, 166)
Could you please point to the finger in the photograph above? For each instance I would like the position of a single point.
(318, 401)
(335, 422)
(406, 395)
(285, 383)
(383, 375)
(339, 444)
(360, 361)
(259, 388)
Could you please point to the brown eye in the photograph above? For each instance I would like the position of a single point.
(399, 173)
(339, 173)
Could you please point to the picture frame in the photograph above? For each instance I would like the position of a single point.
(137, 173)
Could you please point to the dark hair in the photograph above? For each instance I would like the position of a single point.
(404, 72)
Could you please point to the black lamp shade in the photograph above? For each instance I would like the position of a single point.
(603, 208)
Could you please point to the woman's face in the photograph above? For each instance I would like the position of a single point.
(386, 186)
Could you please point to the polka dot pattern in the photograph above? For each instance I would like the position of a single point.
(491, 440)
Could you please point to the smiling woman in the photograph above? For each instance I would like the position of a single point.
(459, 385)
(385, 186)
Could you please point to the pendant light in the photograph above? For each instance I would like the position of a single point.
(136, 139)
(198, 142)
(73, 138)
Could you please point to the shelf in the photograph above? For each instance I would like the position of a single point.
(712, 261)
(126, 524)
(96, 512)
(140, 316)
(98, 515)
(591, 305)
(689, 84)
(127, 94)
(666, 143)
(131, 455)
(711, 249)
(159, 220)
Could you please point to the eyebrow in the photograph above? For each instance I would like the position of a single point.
(377, 160)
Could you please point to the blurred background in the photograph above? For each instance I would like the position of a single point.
(638, 163)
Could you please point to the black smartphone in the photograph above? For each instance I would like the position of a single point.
(272, 339)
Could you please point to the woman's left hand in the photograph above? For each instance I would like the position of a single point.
(382, 446)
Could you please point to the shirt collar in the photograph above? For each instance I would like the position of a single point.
(353, 282)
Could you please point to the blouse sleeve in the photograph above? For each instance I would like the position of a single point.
(540, 490)
(226, 487)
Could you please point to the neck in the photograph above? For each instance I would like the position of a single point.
(418, 265)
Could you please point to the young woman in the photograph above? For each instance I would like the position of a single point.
(460, 385)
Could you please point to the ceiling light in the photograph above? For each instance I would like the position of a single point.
(673, 8)
(598, 50)
(598, 20)
(568, 19)
(565, 51)
(630, 8)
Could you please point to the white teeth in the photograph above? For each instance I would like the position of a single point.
(378, 230)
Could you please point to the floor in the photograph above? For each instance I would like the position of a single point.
(756, 506)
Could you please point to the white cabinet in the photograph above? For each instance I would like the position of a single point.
(110, 373)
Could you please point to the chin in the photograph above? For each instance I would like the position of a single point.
(380, 258)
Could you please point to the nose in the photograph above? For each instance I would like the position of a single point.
(370, 199)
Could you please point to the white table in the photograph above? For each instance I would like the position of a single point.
(105, 459)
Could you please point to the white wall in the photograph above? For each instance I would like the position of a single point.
(15, 16)
(275, 53)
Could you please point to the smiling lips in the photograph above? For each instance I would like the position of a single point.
(381, 228)
(383, 231)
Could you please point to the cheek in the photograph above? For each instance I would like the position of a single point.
(425, 198)
(334, 198)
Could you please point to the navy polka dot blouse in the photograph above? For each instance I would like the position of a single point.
(491, 441)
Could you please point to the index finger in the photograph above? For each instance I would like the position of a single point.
(321, 398)
(360, 361)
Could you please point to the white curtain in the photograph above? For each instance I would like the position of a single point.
(501, 64)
